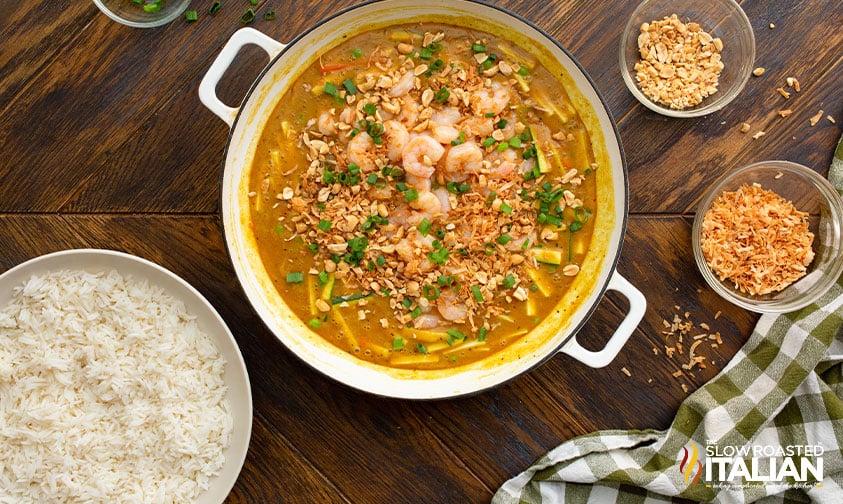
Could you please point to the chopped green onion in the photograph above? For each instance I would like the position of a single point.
(475, 291)
(431, 292)
(191, 15)
(295, 277)
(370, 109)
(349, 86)
(439, 256)
(501, 124)
(491, 198)
(372, 179)
(356, 53)
(407, 302)
(488, 142)
(421, 348)
(506, 208)
(515, 142)
(415, 312)
(269, 15)
(375, 129)
(315, 323)
(397, 343)
(329, 88)
(324, 225)
(215, 7)
(358, 244)
(247, 16)
(411, 194)
(508, 281)
(425, 53)
(481, 335)
(503, 146)
(436, 65)
(478, 48)
(424, 226)
(504, 239)
(442, 95)
(456, 334)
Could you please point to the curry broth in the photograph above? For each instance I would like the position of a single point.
(363, 254)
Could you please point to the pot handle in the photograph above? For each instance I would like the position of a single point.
(208, 86)
(637, 306)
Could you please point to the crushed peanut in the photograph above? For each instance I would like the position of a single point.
(816, 118)
(745, 127)
(679, 63)
(758, 72)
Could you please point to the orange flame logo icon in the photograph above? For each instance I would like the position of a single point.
(690, 463)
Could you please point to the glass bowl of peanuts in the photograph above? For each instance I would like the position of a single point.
(687, 58)
(769, 236)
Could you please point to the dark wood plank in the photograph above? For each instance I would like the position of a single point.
(33, 35)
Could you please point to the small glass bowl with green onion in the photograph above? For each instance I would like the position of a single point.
(143, 13)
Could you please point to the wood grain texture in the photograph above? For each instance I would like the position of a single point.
(104, 144)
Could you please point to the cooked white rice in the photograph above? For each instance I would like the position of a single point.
(109, 392)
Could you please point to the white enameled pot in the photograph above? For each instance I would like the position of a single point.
(557, 333)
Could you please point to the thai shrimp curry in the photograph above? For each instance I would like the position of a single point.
(423, 195)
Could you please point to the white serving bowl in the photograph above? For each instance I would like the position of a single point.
(235, 376)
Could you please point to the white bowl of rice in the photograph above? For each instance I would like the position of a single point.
(119, 382)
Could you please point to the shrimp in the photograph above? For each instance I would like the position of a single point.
(503, 164)
(428, 203)
(347, 115)
(409, 114)
(444, 199)
(326, 123)
(396, 139)
(492, 100)
(413, 249)
(420, 154)
(477, 126)
(450, 308)
(427, 321)
(403, 86)
(444, 133)
(447, 116)
(463, 159)
(360, 151)
(442, 125)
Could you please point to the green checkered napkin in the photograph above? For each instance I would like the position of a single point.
(783, 390)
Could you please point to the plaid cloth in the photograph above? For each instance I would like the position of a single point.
(782, 391)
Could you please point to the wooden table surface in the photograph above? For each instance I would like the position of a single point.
(104, 144)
